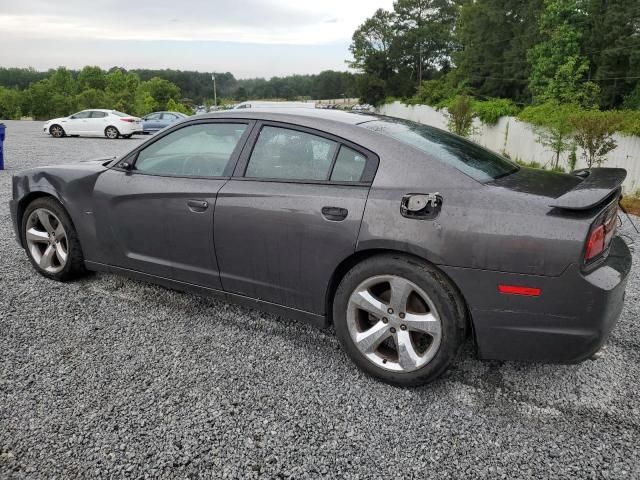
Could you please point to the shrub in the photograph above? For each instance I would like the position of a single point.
(437, 93)
(460, 114)
(593, 133)
(490, 111)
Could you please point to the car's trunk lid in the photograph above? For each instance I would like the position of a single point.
(580, 190)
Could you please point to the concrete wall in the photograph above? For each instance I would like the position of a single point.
(519, 141)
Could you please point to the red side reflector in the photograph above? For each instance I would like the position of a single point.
(516, 290)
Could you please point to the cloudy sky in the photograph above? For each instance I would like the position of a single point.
(246, 37)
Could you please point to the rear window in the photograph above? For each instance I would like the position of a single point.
(119, 114)
(468, 157)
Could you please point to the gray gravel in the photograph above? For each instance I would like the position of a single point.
(108, 377)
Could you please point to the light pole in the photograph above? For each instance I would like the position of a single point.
(215, 95)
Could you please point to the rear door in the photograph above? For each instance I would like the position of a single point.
(97, 122)
(290, 214)
(157, 218)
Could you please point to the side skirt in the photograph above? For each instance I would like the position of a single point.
(316, 320)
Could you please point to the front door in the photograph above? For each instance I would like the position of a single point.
(77, 123)
(283, 226)
(157, 217)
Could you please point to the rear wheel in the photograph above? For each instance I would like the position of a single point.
(399, 319)
(51, 241)
(56, 131)
(111, 133)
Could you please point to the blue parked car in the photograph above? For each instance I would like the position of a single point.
(158, 120)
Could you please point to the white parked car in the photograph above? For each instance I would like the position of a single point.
(97, 122)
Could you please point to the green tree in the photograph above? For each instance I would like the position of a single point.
(594, 134)
(92, 98)
(174, 106)
(371, 45)
(558, 69)
(460, 115)
(122, 90)
(92, 78)
(371, 89)
(10, 104)
(494, 37)
(161, 91)
(552, 126)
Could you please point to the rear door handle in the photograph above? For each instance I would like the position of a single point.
(197, 205)
(335, 214)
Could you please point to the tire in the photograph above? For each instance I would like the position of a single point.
(58, 256)
(127, 136)
(369, 326)
(56, 131)
(111, 133)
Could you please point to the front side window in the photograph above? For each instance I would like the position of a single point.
(78, 115)
(197, 150)
(290, 154)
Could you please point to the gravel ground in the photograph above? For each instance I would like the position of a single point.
(108, 377)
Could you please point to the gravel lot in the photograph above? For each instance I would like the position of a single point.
(109, 377)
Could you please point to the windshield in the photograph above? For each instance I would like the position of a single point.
(466, 156)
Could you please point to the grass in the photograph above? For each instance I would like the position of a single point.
(632, 204)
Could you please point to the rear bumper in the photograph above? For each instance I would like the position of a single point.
(567, 323)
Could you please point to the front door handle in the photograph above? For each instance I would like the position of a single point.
(197, 205)
(335, 214)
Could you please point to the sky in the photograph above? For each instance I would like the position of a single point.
(249, 38)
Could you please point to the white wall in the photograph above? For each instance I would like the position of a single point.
(519, 140)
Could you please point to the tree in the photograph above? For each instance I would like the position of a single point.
(174, 106)
(460, 114)
(371, 44)
(92, 78)
(10, 104)
(594, 134)
(558, 69)
(92, 98)
(371, 89)
(494, 37)
(552, 126)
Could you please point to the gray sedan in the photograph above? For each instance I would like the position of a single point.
(405, 237)
(156, 121)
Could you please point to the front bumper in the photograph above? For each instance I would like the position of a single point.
(567, 323)
(13, 208)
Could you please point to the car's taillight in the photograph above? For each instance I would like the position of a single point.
(130, 120)
(601, 234)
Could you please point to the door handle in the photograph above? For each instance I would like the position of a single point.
(335, 214)
(197, 205)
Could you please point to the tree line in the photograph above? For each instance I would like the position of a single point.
(61, 91)
(584, 52)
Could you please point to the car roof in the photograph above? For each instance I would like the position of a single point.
(293, 115)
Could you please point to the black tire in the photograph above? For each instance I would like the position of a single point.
(111, 132)
(444, 296)
(74, 266)
(127, 136)
(56, 131)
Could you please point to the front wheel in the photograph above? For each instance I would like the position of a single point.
(399, 319)
(111, 133)
(51, 241)
(56, 131)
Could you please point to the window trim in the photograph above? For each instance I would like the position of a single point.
(132, 157)
(368, 173)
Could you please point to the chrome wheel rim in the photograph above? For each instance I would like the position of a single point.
(394, 323)
(56, 131)
(46, 240)
(112, 132)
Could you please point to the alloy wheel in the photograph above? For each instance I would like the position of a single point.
(56, 131)
(394, 323)
(47, 240)
(111, 133)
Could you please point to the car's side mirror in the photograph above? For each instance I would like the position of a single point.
(125, 166)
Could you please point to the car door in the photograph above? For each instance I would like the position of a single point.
(97, 122)
(290, 215)
(156, 216)
(152, 122)
(77, 123)
(168, 119)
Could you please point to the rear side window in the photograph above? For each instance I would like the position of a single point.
(98, 114)
(349, 166)
(282, 153)
(468, 157)
(197, 150)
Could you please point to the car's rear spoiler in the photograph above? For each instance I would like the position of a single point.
(598, 185)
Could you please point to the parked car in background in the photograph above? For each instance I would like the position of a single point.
(407, 238)
(96, 122)
(158, 120)
(257, 104)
